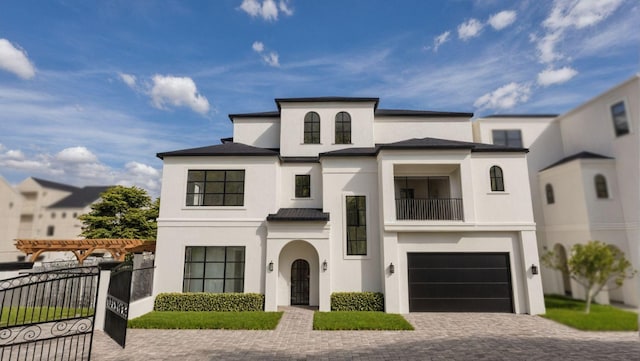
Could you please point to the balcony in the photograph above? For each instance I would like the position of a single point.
(433, 209)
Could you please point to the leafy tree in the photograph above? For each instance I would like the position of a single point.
(593, 266)
(122, 212)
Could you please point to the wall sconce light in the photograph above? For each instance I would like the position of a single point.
(392, 268)
(271, 266)
(534, 269)
(324, 265)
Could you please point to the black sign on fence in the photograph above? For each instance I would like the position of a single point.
(48, 315)
(118, 297)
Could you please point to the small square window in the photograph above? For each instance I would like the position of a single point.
(303, 186)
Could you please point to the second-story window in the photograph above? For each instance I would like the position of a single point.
(50, 231)
(343, 128)
(303, 186)
(312, 128)
(601, 186)
(549, 192)
(497, 180)
(215, 188)
(620, 122)
(509, 138)
(356, 226)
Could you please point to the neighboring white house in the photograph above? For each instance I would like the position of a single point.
(333, 194)
(584, 170)
(42, 209)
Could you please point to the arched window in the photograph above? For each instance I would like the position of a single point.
(312, 128)
(549, 191)
(601, 186)
(497, 181)
(343, 128)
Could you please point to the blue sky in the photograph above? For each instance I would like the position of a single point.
(90, 91)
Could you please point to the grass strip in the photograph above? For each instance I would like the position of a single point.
(359, 320)
(570, 312)
(186, 320)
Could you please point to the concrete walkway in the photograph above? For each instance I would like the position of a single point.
(438, 336)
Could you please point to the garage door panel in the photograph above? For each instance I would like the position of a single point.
(458, 275)
(467, 291)
(459, 282)
(460, 305)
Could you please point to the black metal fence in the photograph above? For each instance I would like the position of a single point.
(429, 209)
(118, 298)
(48, 315)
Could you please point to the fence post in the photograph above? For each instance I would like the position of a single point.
(101, 305)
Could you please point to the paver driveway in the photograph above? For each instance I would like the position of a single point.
(438, 336)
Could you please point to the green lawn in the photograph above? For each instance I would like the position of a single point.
(20, 315)
(207, 320)
(359, 320)
(570, 312)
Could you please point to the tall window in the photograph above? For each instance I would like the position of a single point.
(620, 122)
(549, 191)
(312, 128)
(343, 128)
(509, 138)
(356, 225)
(215, 188)
(497, 181)
(213, 269)
(50, 231)
(303, 186)
(601, 186)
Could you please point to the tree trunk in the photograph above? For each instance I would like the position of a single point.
(589, 297)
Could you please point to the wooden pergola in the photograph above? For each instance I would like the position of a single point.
(83, 248)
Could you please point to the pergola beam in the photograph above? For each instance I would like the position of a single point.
(82, 248)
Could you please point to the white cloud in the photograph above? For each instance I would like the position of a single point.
(272, 59)
(440, 39)
(128, 79)
(469, 29)
(14, 60)
(76, 155)
(556, 76)
(547, 47)
(140, 169)
(502, 19)
(579, 13)
(505, 97)
(258, 46)
(14, 154)
(177, 91)
(268, 10)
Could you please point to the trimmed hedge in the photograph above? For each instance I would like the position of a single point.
(201, 301)
(357, 301)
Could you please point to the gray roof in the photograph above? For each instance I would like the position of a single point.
(521, 116)
(422, 143)
(272, 114)
(299, 214)
(581, 155)
(300, 159)
(81, 197)
(55, 185)
(226, 149)
(421, 113)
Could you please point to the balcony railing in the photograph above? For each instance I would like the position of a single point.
(449, 209)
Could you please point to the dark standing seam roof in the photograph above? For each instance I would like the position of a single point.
(581, 155)
(54, 185)
(299, 214)
(226, 149)
(423, 143)
(521, 116)
(81, 198)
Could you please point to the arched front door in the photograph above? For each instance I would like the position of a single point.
(300, 282)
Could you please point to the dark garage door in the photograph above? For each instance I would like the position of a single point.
(459, 282)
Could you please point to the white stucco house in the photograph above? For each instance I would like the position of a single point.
(333, 194)
(584, 171)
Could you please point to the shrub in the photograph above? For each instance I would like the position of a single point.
(201, 301)
(357, 301)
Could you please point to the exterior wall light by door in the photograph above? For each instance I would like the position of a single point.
(271, 266)
(324, 265)
(534, 269)
(392, 268)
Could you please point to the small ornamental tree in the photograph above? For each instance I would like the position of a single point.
(593, 266)
(122, 212)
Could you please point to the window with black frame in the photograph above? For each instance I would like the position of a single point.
(602, 191)
(356, 225)
(215, 188)
(343, 128)
(214, 269)
(497, 180)
(551, 199)
(507, 137)
(620, 122)
(312, 128)
(303, 186)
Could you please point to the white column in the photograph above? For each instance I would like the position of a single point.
(101, 304)
(271, 277)
(533, 283)
(393, 300)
